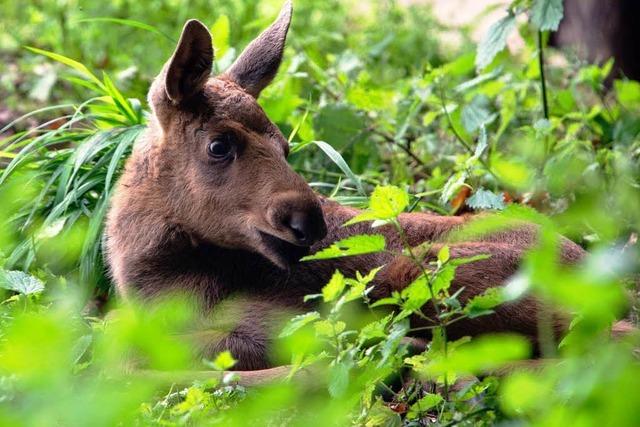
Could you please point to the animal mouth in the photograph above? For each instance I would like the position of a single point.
(284, 252)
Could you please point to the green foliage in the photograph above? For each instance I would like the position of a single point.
(372, 106)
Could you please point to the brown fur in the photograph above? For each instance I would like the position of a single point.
(181, 221)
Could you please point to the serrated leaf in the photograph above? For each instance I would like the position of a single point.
(547, 14)
(416, 294)
(494, 41)
(298, 322)
(376, 329)
(442, 280)
(485, 199)
(20, 282)
(386, 202)
(484, 303)
(354, 245)
(386, 301)
(334, 288)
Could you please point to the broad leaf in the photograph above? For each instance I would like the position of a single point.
(20, 282)
(386, 203)
(354, 245)
(333, 289)
(485, 199)
(484, 303)
(338, 379)
(415, 295)
(547, 14)
(476, 114)
(494, 41)
(298, 322)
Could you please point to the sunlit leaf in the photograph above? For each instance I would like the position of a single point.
(354, 245)
(299, 322)
(334, 288)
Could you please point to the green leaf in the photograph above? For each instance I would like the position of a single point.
(70, 63)
(547, 14)
(298, 322)
(427, 402)
(353, 245)
(130, 23)
(628, 93)
(334, 288)
(442, 280)
(224, 361)
(376, 329)
(485, 199)
(443, 254)
(387, 202)
(415, 295)
(481, 354)
(338, 379)
(20, 282)
(494, 41)
(484, 303)
(453, 184)
(476, 114)
(327, 328)
(339, 161)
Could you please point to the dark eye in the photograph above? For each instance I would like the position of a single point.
(222, 148)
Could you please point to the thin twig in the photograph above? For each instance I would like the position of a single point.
(459, 137)
(391, 140)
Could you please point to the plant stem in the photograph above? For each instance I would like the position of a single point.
(459, 137)
(543, 83)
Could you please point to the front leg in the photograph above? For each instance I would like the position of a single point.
(246, 327)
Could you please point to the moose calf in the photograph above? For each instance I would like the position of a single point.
(209, 206)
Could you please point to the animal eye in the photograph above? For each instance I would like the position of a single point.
(222, 148)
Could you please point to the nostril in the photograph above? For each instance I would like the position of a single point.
(297, 225)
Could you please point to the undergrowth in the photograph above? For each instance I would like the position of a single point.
(372, 108)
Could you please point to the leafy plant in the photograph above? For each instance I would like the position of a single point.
(373, 106)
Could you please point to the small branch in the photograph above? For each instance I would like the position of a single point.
(460, 139)
(391, 140)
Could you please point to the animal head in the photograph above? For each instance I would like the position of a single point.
(222, 161)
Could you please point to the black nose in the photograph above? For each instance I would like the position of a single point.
(306, 227)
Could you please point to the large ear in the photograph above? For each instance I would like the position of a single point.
(258, 64)
(190, 66)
